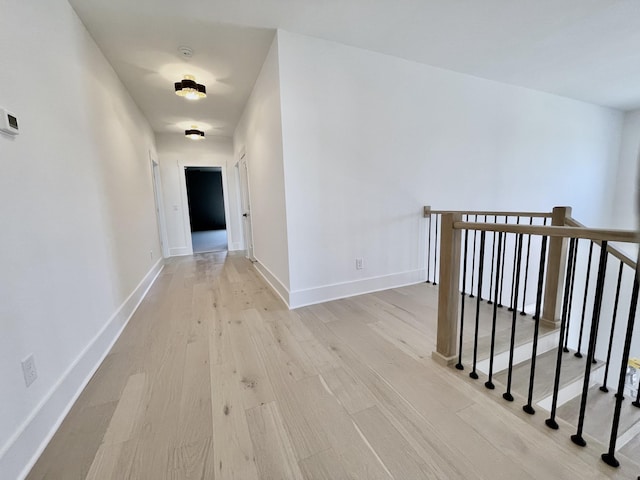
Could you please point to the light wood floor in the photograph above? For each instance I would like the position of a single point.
(215, 378)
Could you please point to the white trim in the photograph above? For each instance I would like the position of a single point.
(22, 450)
(179, 251)
(184, 207)
(156, 180)
(310, 296)
(273, 281)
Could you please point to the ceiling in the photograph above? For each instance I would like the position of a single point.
(584, 49)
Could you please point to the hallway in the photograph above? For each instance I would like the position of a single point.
(215, 378)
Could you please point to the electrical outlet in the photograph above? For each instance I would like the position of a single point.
(359, 264)
(29, 370)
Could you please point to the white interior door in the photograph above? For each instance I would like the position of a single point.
(243, 176)
(157, 195)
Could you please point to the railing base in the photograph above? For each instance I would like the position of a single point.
(610, 460)
(548, 323)
(442, 360)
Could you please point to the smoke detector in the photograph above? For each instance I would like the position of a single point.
(185, 52)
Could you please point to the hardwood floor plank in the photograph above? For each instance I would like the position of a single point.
(192, 461)
(324, 465)
(404, 337)
(255, 386)
(274, 453)
(357, 457)
(233, 451)
(126, 414)
(391, 447)
(352, 394)
(195, 424)
(516, 445)
(105, 462)
(307, 436)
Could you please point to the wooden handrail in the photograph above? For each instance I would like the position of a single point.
(428, 211)
(599, 234)
(623, 257)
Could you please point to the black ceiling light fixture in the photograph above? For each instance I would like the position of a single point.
(194, 133)
(190, 89)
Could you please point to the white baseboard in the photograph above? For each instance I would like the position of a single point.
(273, 281)
(26, 445)
(310, 296)
(179, 251)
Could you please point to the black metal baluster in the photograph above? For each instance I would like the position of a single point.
(526, 270)
(504, 252)
(489, 384)
(435, 255)
(534, 352)
(535, 317)
(551, 421)
(571, 290)
(595, 321)
(512, 305)
(473, 260)
(584, 302)
(609, 457)
(507, 395)
(493, 255)
(464, 287)
(595, 341)
(604, 388)
(473, 373)
(429, 251)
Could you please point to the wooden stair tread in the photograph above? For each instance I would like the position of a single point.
(524, 329)
(632, 449)
(572, 369)
(599, 414)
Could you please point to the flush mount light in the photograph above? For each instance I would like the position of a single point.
(194, 133)
(189, 89)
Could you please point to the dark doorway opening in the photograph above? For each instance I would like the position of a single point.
(206, 209)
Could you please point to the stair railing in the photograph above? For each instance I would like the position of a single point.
(472, 254)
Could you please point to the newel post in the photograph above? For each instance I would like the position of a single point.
(556, 270)
(448, 290)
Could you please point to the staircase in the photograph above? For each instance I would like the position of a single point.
(544, 313)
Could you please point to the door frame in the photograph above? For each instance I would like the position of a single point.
(156, 183)
(244, 191)
(186, 219)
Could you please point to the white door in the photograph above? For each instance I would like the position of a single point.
(157, 195)
(243, 176)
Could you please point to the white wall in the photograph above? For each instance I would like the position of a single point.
(79, 233)
(369, 139)
(259, 135)
(174, 153)
(623, 211)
